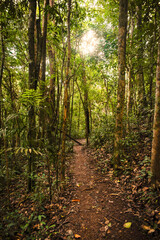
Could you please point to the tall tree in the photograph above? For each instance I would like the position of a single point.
(155, 157)
(123, 6)
(31, 130)
(1, 77)
(140, 74)
(66, 96)
(43, 62)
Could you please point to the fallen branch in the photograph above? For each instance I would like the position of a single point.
(67, 135)
(73, 139)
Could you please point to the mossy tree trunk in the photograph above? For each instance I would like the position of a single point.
(66, 96)
(43, 66)
(1, 77)
(123, 6)
(155, 157)
(86, 106)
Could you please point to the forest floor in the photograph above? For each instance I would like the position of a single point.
(94, 205)
(99, 208)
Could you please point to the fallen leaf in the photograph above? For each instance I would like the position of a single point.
(106, 228)
(145, 189)
(151, 231)
(77, 236)
(75, 200)
(129, 210)
(70, 233)
(127, 225)
(107, 222)
(109, 225)
(146, 227)
(114, 194)
(102, 229)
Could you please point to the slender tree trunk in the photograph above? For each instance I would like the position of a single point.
(31, 130)
(86, 107)
(155, 155)
(151, 75)
(52, 67)
(121, 81)
(86, 112)
(71, 109)
(43, 65)
(66, 98)
(1, 77)
(140, 76)
(130, 76)
(38, 46)
(79, 115)
(7, 169)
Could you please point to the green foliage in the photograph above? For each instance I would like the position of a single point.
(31, 97)
(15, 221)
(103, 135)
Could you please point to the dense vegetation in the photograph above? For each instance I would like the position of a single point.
(52, 90)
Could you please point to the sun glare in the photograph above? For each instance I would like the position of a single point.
(89, 43)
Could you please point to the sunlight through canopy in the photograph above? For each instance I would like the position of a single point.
(89, 43)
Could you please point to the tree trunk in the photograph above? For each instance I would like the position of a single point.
(155, 155)
(43, 66)
(123, 5)
(1, 77)
(86, 107)
(130, 76)
(71, 108)
(140, 76)
(66, 98)
(151, 75)
(31, 130)
(38, 47)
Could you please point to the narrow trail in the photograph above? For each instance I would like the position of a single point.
(98, 209)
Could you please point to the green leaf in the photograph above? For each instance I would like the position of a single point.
(52, 226)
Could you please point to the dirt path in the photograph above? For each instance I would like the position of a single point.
(98, 209)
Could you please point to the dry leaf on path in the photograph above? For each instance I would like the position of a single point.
(77, 236)
(148, 228)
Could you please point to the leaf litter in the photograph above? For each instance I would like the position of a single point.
(103, 209)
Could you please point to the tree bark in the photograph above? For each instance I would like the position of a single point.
(43, 65)
(66, 98)
(130, 75)
(140, 76)
(32, 79)
(123, 6)
(155, 154)
(1, 77)
(86, 106)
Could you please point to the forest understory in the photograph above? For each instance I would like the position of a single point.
(93, 205)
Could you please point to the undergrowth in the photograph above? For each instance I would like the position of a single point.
(135, 176)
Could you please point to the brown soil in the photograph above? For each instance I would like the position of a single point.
(99, 207)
